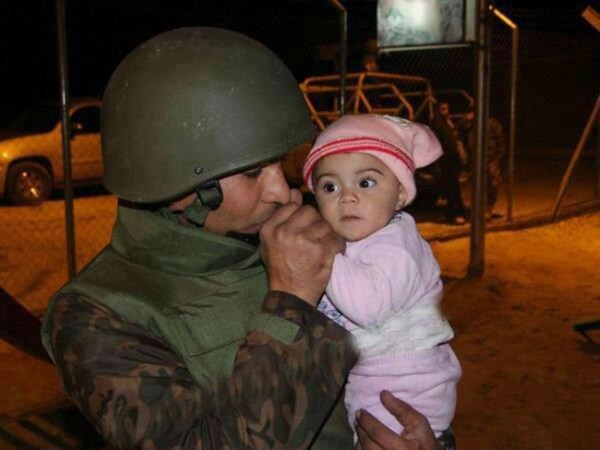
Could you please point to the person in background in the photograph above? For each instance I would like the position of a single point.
(385, 287)
(370, 64)
(497, 149)
(450, 165)
(182, 333)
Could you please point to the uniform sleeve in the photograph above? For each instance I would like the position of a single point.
(381, 281)
(139, 394)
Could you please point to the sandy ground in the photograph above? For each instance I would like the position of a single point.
(530, 381)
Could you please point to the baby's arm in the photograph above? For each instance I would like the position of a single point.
(380, 281)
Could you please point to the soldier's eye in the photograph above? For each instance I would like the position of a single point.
(253, 173)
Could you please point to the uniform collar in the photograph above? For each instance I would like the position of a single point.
(153, 240)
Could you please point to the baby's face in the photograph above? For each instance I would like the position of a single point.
(357, 194)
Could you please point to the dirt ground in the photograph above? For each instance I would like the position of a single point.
(530, 381)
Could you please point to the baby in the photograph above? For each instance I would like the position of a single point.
(386, 287)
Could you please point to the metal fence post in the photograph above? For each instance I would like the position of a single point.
(343, 18)
(478, 197)
(66, 134)
(514, 73)
(574, 158)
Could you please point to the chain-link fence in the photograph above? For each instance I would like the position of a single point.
(556, 90)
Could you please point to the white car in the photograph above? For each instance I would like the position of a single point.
(31, 151)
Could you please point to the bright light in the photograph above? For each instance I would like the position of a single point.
(420, 22)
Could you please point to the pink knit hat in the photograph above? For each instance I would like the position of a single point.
(401, 145)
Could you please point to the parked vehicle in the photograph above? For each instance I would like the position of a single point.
(368, 92)
(31, 151)
(408, 96)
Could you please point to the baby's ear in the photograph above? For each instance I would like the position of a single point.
(402, 196)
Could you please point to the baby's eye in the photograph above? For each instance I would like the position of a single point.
(367, 183)
(328, 186)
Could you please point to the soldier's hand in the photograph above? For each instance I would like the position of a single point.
(296, 197)
(298, 248)
(417, 434)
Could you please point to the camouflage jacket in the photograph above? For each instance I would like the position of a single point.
(139, 394)
(497, 144)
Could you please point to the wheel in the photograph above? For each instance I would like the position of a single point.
(28, 183)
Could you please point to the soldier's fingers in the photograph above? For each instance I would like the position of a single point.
(416, 426)
(374, 435)
(319, 229)
(296, 196)
(280, 216)
(364, 440)
(358, 446)
(334, 242)
(296, 222)
(406, 414)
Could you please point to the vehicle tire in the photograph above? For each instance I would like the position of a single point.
(28, 183)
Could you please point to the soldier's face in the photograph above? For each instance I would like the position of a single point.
(249, 199)
(444, 109)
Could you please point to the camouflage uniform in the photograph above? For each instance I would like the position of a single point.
(138, 393)
(448, 168)
(496, 153)
(256, 385)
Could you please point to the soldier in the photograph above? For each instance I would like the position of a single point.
(496, 153)
(497, 148)
(177, 335)
(449, 166)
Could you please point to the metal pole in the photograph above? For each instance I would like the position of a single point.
(597, 190)
(66, 134)
(578, 150)
(343, 51)
(514, 75)
(479, 187)
(513, 124)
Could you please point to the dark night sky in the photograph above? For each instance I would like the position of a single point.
(102, 32)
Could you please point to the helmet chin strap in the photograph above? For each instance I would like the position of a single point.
(209, 198)
(210, 194)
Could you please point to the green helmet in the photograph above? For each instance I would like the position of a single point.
(192, 105)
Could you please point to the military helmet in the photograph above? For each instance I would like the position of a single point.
(192, 105)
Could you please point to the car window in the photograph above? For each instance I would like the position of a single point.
(86, 119)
